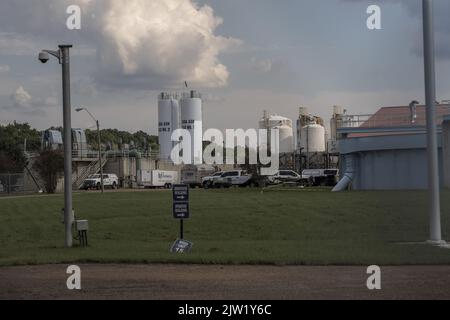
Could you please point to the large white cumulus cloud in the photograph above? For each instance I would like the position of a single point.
(173, 39)
(139, 43)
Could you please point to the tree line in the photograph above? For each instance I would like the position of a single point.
(18, 139)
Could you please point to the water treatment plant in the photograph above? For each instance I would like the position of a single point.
(224, 150)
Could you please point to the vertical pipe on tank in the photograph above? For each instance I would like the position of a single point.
(175, 110)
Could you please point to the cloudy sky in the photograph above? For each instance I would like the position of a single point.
(245, 56)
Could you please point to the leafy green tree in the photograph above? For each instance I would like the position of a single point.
(50, 165)
(141, 140)
(12, 138)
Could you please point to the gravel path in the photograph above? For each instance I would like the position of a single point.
(188, 282)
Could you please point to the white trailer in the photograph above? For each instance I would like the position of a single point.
(157, 178)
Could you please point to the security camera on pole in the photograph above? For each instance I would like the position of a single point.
(63, 56)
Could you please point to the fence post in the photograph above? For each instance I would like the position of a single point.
(9, 183)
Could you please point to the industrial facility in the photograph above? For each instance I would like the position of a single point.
(387, 150)
(308, 148)
(381, 151)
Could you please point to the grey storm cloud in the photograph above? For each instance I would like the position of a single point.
(23, 102)
(139, 43)
(441, 21)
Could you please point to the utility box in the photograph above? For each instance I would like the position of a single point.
(82, 229)
(82, 225)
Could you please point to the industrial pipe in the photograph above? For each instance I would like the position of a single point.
(348, 177)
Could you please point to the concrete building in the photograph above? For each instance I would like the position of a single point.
(387, 150)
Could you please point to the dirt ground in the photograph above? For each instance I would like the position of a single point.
(198, 282)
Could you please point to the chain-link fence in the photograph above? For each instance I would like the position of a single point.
(16, 183)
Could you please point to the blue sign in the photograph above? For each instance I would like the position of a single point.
(180, 193)
(181, 210)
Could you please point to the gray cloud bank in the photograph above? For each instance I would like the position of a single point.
(414, 9)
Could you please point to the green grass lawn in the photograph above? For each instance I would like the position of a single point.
(228, 226)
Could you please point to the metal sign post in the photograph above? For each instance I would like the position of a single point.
(432, 144)
(181, 212)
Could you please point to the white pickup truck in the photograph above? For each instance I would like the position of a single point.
(94, 181)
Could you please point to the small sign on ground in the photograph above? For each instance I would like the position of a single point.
(181, 246)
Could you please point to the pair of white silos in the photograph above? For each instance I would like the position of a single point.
(180, 112)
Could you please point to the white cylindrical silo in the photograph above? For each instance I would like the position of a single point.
(313, 139)
(284, 125)
(168, 120)
(175, 115)
(192, 120)
(286, 139)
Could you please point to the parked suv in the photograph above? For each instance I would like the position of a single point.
(94, 182)
(284, 176)
(208, 181)
(238, 178)
(321, 177)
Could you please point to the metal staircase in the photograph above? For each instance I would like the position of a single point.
(92, 168)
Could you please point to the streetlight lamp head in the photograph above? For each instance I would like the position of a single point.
(79, 109)
(43, 57)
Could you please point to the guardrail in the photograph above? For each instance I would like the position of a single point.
(383, 121)
(93, 154)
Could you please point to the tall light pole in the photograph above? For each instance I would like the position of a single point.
(99, 146)
(63, 55)
(430, 95)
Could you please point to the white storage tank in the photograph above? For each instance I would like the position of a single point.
(286, 139)
(192, 120)
(272, 121)
(284, 125)
(168, 120)
(313, 138)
